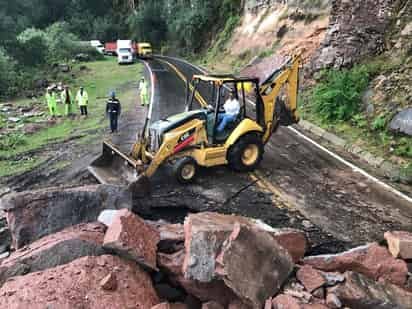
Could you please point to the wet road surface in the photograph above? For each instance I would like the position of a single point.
(297, 184)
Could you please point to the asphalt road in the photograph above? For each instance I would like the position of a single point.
(299, 184)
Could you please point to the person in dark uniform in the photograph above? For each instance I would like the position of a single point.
(113, 110)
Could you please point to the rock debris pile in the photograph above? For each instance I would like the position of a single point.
(211, 261)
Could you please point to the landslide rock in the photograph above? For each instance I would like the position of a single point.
(109, 283)
(371, 260)
(172, 236)
(54, 250)
(285, 302)
(359, 291)
(253, 265)
(294, 241)
(206, 232)
(356, 30)
(76, 285)
(311, 278)
(131, 237)
(214, 290)
(400, 244)
(402, 122)
(171, 263)
(35, 214)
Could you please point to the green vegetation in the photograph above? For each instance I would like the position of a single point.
(223, 38)
(337, 96)
(35, 35)
(186, 26)
(100, 78)
(335, 104)
(14, 167)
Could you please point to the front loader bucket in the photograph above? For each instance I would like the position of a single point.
(114, 167)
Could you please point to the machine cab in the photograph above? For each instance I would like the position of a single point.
(212, 92)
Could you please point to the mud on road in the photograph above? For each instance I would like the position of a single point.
(296, 186)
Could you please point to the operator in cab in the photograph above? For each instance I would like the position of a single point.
(232, 109)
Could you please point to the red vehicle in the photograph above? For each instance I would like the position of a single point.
(110, 48)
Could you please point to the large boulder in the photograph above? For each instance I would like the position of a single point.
(54, 250)
(35, 214)
(359, 291)
(372, 260)
(253, 265)
(131, 237)
(402, 122)
(77, 285)
(206, 232)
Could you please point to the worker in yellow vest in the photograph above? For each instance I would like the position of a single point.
(82, 100)
(51, 101)
(68, 100)
(144, 92)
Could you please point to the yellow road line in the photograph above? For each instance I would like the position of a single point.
(198, 96)
(268, 186)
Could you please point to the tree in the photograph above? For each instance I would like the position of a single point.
(33, 42)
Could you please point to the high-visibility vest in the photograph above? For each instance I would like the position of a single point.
(51, 99)
(143, 88)
(82, 100)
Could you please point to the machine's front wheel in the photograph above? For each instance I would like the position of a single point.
(245, 155)
(185, 170)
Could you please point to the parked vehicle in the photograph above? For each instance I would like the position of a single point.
(126, 52)
(110, 48)
(98, 45)
(144, 50)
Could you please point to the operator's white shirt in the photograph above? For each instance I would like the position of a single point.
(232, 107)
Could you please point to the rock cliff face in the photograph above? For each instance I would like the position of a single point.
(356, 30)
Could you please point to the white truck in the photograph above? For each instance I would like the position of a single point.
(98, 45)
(126, 52)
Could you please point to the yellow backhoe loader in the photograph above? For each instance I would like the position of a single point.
(191, 139)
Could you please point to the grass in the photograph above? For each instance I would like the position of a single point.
(14, 167)
(99, 79)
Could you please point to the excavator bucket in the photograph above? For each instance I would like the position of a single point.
(116, 168)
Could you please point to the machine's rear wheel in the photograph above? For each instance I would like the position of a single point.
(245, 155)
(185, 170)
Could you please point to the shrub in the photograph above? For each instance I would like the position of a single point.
(404, 148)
(33, 45)
(338, 94)
(64, 45)
(379, 123)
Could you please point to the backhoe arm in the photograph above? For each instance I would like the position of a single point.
(276, 112)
